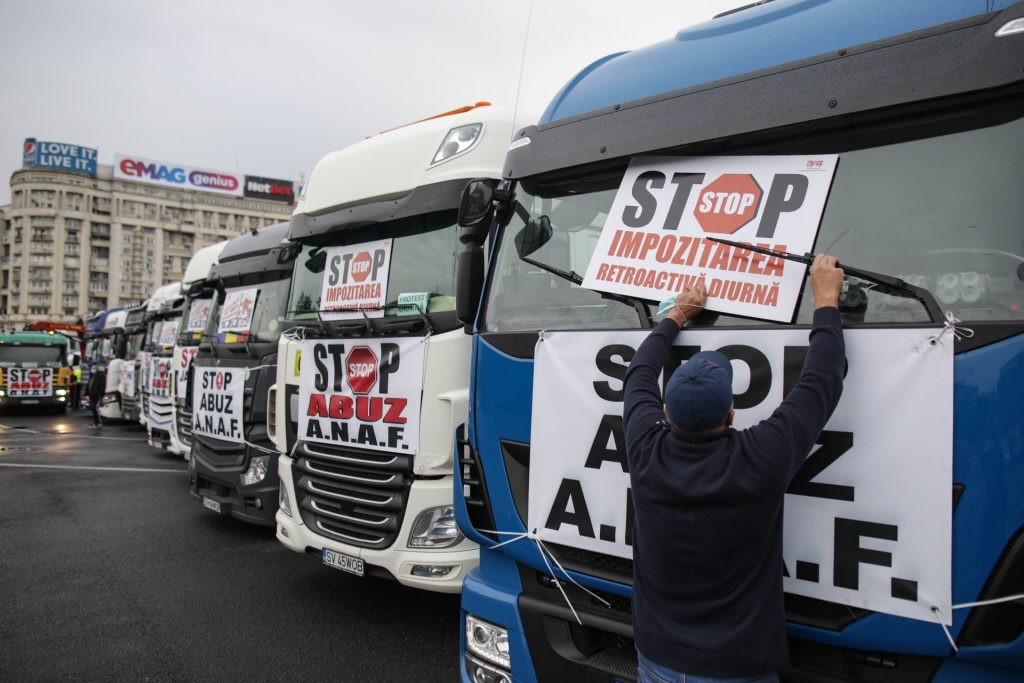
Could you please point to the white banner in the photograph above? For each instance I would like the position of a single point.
(159, 377)
(29, 382)
(126, 382)
(183, 356)
(363, 393)
(355, 281)
(168, 330)
(653, 241)
(236, 313)
(868, 518)
(198, 314)
(177, 176)
(217, 403)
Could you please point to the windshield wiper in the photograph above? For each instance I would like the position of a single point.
(888, 281)
(422, 314)
(326, 331)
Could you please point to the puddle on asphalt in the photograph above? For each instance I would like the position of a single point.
(19, 449)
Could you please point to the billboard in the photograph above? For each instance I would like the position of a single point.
(58, 156)
(174, 175)
(273, 189)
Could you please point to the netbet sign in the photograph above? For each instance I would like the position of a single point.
(272, 189)
(178, 176)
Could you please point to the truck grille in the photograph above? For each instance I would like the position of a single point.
(218, 453)
(185, 426)
(160, 411)
(355, 497)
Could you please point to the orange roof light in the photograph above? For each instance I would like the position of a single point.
(453, 112)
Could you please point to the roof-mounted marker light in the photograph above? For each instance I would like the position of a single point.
(457, 142)
(1012, 27)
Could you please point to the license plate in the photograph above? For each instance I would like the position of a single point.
(30, 401)
(346, 563)
(211, 504)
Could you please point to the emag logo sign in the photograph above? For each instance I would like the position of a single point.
(175, 175)
(58, 156)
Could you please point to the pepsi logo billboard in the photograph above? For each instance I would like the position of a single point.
(258, 187)
(58, 156)
(180, 176)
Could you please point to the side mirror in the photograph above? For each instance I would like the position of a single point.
(476, 209)
(535, 234)
(289, 252)
(469, 282)
(317, 261)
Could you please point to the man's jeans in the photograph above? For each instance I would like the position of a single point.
(656, 673)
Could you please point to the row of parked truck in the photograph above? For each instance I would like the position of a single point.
(362, 377)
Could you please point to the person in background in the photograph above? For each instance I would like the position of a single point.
(97, 386)
(76, 387)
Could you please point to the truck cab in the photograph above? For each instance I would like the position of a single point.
(135, 338)
(233, 465)
(164, 310)
(196, 313)
(112, 349)
(372, 384)
(921, 105)
(34, 370)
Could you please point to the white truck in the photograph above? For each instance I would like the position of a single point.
(372, 379)
(112, 352)
(165, 307)
(196, 311)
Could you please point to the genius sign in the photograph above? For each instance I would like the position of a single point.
(653, 243)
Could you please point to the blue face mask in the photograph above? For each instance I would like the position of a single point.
(665, 306)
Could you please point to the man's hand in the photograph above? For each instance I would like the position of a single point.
(826, 280)
(689, 303)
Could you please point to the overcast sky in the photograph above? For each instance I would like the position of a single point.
(268, 88)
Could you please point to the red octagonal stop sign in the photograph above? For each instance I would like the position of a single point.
(361, 369)
(728, 203)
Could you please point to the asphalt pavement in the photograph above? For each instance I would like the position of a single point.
(110, 570)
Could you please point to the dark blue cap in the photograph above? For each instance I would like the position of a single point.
(699, 393)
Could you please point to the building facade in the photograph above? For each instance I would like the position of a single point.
(73, 244)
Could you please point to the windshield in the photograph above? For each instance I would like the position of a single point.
(135, 344)
(194, 321)
(45, 355)
(422, 266)
(941, 213)
(250, 313)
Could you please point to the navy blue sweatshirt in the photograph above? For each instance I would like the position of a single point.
(707, 541)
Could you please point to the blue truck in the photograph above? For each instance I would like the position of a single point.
(923, 104)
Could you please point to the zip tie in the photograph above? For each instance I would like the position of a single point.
(953, 323)
(259, 448)
(554, 559)
(966, 605)
(557, 582)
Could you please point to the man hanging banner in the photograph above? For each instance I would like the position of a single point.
(236, 313)
(363, 393)
(29, 382)
(217, 403)
(654, 241)
(356, 281)
(868, 519)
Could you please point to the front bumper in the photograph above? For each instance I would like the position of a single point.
(255, 504)
(398, 560)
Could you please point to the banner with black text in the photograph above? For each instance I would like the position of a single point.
(363, 393)
(867, 518)
(217, 395)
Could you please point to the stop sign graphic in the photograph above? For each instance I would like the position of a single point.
(35, 376)
(361, 369)
(361, 266)
(728, 203)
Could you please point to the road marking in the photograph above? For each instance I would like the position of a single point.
(91, 467)
(19, 429)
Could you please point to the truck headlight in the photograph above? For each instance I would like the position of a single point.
(487, 641)
(282, 500)
(61, 392)
(257, 471)
(457, 142)
(435, 528)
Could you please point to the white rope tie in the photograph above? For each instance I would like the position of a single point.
(954, 324)
(968, 605)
